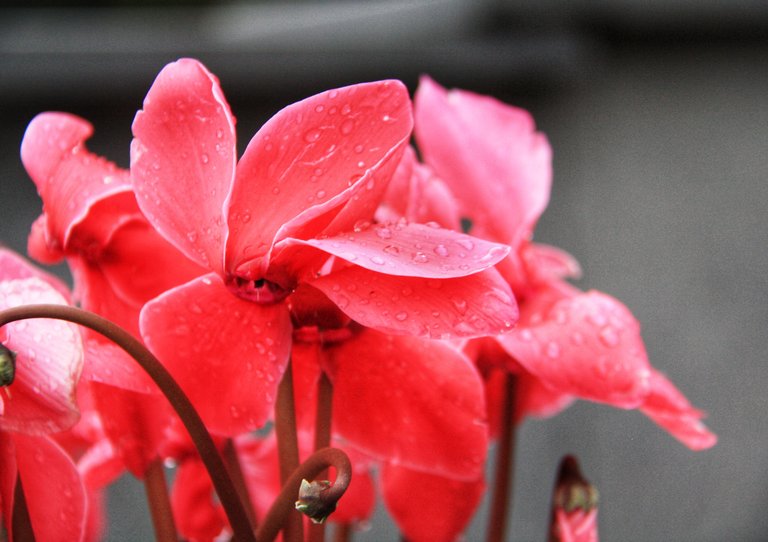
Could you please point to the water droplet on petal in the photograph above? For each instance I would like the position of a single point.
(384, 233)
(577, 338)
(347, 126)
(204, 158)
(358, 149)
(553, 349)
(420, 257)
(361, 225)
(310, 136)
(320, 194)
(466, 243)
(401, 316)
(378, 260)
(609, 337)
(440, 250)
(460, 304)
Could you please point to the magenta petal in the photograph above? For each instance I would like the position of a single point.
(429, 508)
(413, 250)
(49, 359)
(671, 410)
(473, 306)
(587, 345)
(56, 498)
(227, 354)
(304, 159)
(489, 154)
(414, 402)
(69, 179)
(14, 266)
(183, 160)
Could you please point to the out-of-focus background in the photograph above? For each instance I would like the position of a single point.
(657, 111)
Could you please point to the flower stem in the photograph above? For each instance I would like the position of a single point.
(238, 519)
(20, 521)
(156, 489)
(288, 450)
(322, 439)
(343, 532)
(501, 503)
(314, 465)
(235, 469)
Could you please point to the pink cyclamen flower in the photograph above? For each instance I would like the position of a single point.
(303, 195)
(39, 401)
(575, 344)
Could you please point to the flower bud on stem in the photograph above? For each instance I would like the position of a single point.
(574, 505)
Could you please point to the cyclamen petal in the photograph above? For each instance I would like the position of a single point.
(227, 354)
(422, 407)
(473, 306)
(54, 154)
(489, 154)
(49, 358)
(587, 345)
(426, 507)
(312, 157)
(412, 250)
(183, 160)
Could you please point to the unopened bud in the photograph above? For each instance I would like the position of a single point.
(311, 502)
(7, 366)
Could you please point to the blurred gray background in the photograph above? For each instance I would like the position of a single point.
(657, 112)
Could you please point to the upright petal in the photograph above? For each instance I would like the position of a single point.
(671, 410)
(69, 179)
(429, 508)
(490, 155)
(473, 306)
(587, 345)
(303, 160)
(183, 160)
(49, 358)
(227, 354)
(413, 402)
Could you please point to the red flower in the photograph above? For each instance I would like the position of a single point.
(575, 344)
(303, 193)
(40, 401)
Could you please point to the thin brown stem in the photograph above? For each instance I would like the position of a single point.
(156, 490)
(343, 532)
(314, 465)
(20, 521)
(501, 504)
(232, 461)
(288, 449)
(322, 439)
(238, 519)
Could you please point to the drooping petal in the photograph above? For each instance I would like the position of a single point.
(197, 515)
(410, 401)
(69, 179)
(412, 250)
(490, 155)
(587, 345)
(546, 263)
(55, 495)
(303, 160)
(49, 357)
(183, 160)
(14, 266)
(477, 305)
(671, 410)
(227, 354)
(426, 507)
(140, 265)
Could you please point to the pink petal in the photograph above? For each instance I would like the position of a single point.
(413, 402)
(197, 515)
(577, 526)
(477, 305)
(547, 263)
(671, 410)
(587, 345)
(429, 508)
(140, 265)
(227, 354)
(54, 492)
(412, 250)
(14, 266)
(489, 154)
(183, 160)
(303, 160)
(69, 179)
(49, 358)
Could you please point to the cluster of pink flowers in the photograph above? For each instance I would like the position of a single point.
(410, 282)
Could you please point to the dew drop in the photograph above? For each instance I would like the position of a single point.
(384, 233)
(460, 304)
(378, 260)
(440, 250)
(204, 158)
(466, 243)
(320, 108)
(420, 257)
(609, 337)
(320, 194)
(347, 126)
(346, 109)
(526, 335)
(311, 136)
(358, 149)
(361, 225)
(577, 338)
(401, 316)
(553, 349)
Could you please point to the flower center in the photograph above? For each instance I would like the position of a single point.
(262, 291)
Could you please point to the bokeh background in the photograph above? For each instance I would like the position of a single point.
(657, 111)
